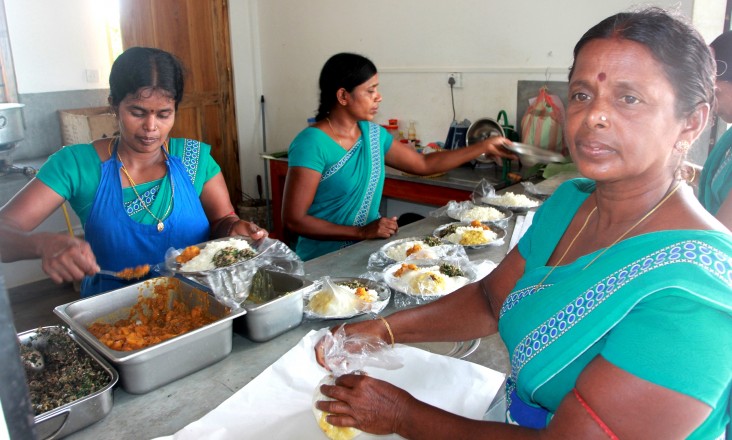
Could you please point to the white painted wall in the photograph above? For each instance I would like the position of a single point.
(54, 44)
(414, 44)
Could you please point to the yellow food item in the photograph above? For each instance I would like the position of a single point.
(414, 249)
(405, 268)
(130, 273)
(336, 432)
(151, 320)
(188, 254)
(473, 237)
(428, 283)
(332, 432)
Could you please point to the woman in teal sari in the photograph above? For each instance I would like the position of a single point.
(715, 181)
(616, 305)
(336, 167)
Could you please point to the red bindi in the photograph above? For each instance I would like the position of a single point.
(601, 76)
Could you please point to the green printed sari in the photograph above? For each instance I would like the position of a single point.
(351, 182)
(657, 305)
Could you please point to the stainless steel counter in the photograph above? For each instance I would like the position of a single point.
(169, 408)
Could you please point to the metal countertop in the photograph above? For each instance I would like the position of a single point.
(168, 409)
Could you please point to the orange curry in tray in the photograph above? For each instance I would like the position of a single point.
(154, 319)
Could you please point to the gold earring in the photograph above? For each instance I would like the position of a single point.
(682, 146)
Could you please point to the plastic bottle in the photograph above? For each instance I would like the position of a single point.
(412, 132)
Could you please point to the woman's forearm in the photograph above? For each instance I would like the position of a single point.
(459, 316)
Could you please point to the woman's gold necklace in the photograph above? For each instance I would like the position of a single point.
(340, 141)
(648, 214)
(160, 225)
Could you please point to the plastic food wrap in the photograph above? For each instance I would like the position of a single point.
(485, 194)
(346, 354)
(467, 211)
(414, 248)
(341, 298)
(231, 284)
(423, 281)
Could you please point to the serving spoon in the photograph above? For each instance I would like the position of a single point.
(128, 273)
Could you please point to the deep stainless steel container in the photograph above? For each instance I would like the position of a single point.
(11, 124)
(265, 321)
(80, 413)
(146, 369)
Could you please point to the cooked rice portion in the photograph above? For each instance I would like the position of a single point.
(514, 200)
(482, 214)
(218, 254)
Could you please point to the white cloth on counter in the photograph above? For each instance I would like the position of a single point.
(277, 404)
(522, 225)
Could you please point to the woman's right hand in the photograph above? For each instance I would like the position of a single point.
(65, 258)
(383, 227)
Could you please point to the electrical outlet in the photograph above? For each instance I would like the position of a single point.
(457, 77)
(92, 75)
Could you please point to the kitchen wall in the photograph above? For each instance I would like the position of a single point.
(415, 44)
(279, 46)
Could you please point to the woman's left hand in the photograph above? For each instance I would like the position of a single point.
(365, 403)
(248, 229)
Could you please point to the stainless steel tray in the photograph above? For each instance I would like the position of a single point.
(146, 369)
(73, 416)
(267, 320)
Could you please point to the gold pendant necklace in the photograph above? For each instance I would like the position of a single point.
(160, 225)
(340, 142)
(648, 214)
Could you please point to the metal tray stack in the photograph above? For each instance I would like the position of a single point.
(73, 416)
(146, 369)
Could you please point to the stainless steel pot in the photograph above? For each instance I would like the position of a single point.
(11, 125)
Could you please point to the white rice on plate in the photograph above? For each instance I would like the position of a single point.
(204, 260)
(401, 251)
(513, 200)
(482, 214)
(471, 236)
(426, 280)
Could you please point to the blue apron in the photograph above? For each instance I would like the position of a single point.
(119, 242)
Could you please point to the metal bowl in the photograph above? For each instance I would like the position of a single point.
(531, 155)
(482, 129)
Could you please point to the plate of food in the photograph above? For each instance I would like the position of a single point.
(413, 248)
(426, 278)
(514, 202)
(468, 211)
(471, 235)
(342, 298)
(226, 266)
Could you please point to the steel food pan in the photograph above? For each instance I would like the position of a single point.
(263, 321)
(73, 416)
(146, 369)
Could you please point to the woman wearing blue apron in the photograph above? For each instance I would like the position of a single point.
(137, 195)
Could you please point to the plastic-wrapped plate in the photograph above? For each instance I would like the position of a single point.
(514, 202)
(383, 295)
(462, 213)
(443, 231)
(396, 250)
(421, 282)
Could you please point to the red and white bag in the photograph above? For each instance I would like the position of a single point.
(542, 123)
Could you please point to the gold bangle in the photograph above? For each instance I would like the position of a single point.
(693, 174)
(388, 328)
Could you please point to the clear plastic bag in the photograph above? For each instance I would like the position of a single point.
(232, 284)
(344, 354)
(332, 299)
(384, 257)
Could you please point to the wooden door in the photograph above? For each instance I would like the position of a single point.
(197, 32)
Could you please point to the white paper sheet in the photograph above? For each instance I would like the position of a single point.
(277, 404)
(522, 225)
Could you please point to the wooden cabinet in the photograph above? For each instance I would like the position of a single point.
(408, 190)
